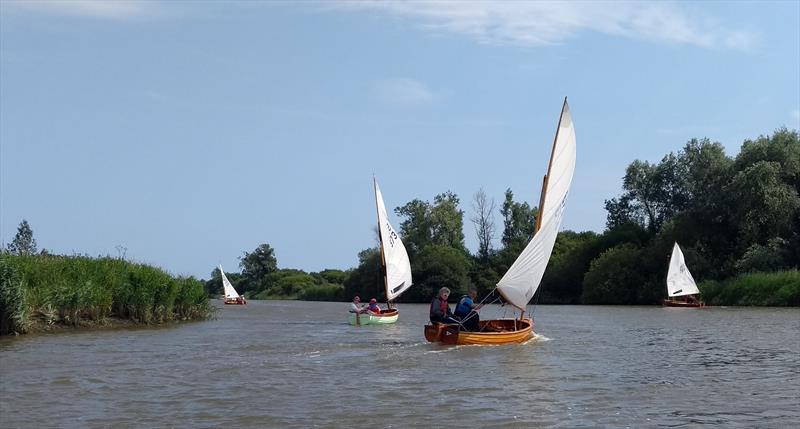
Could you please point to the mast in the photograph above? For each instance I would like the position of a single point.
(549, 166)
(380, 237)
(514, 286)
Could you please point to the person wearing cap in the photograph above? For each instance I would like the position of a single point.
(466, 310)
(356, 306)
(373, 306)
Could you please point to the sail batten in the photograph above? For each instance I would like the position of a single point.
(522, 279)
(395, 257)
(679, 280)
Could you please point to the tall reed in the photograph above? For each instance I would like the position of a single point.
(72, 289)
(781, 288)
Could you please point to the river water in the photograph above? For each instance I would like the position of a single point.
(299, 364)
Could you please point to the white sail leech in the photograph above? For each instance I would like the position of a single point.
(398, 267)
(679, 280)
(522, 279)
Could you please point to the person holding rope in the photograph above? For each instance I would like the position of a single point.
(440, 310)
(466, 310)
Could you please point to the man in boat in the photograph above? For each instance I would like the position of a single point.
(356, 306)
(440, 310)
(466, 310)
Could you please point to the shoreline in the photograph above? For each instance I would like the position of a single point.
(107, 324)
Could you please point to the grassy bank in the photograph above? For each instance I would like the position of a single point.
(780, 288)
(75, 290)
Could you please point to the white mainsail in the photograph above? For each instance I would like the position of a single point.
(679, 280)
(523, 277)
(230, 292)
(395, 257)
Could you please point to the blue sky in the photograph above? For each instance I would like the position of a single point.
(190, 132)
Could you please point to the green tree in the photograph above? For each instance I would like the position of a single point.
(519, 222)
(611, 279)
(367, 279)
(23, 243)
(765, 205)
(440, 223)
(256, 266)
(439, 266)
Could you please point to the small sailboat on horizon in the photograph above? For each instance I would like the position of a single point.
(522, 279)
(231, 296)
(682, 290)
(395, 266)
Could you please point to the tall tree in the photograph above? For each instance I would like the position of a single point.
(519, 221)
(484, 223)
(257, 265)
(440, 223)
(23, 243)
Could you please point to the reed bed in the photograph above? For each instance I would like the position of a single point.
(780, 289)
(71, 290)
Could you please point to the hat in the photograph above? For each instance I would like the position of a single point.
(373, 301)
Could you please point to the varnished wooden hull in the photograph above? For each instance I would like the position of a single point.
(235, 302)
(386, 317)
(493, 332)
(675, 303)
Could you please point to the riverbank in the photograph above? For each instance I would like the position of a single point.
(46, 293)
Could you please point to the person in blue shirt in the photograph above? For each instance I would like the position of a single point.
(466, 310)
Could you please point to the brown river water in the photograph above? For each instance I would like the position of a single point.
(300, 365)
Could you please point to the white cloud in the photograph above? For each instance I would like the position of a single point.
(534, 23)
(404, 91)
(114, 10)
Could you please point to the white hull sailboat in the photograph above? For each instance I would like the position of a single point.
(682, 290)
(522, 279)
(395, 264)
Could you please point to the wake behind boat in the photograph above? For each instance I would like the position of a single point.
(681, 287)
(522, 279)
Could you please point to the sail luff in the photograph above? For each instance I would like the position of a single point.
(380, 236)
(522, 279)
(546, 179)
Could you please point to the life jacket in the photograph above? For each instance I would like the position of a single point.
(462, 309)
(443, 307)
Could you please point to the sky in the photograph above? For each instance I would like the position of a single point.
(185, 133)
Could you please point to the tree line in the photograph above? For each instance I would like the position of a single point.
(734, 217)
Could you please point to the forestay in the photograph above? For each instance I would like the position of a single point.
(230, 292)
(523, 277)
(679, 280)
(395, 257)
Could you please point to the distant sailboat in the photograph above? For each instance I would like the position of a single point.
(681, 287)
(395, 266)
(523, 277)
(231, 296)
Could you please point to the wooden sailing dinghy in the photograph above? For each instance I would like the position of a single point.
(231, 296)
(682, 291)
(524, 276)
(395, 266)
